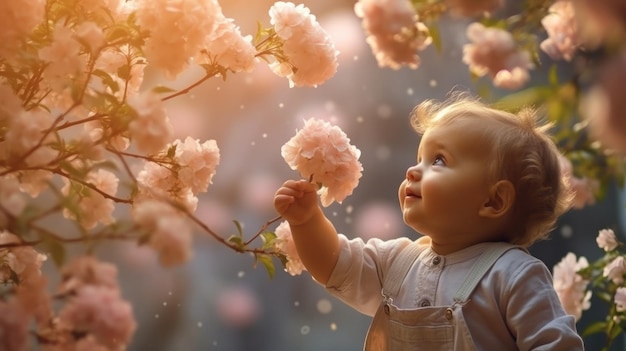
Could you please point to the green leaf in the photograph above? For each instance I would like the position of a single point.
(268, 239)
(55, 249)
(106, 79)
(236, 241)
(239, 227)
(268, 263)
(597, 327)
(159, 89)
(435, 34)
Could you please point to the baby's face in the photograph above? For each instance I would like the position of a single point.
(445, 189)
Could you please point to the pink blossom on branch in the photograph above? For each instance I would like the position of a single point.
(323, 151)
(570, 286)
(285, 245)
(493, 51)
(562, 28)
(606, 240)
(393, 31)
(310, 52)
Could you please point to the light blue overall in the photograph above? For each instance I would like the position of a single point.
(430, 328)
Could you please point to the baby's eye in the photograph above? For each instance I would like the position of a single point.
(439, 161)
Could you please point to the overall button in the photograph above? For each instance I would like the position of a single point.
(449, 314)
(436, 260)
(424, 303)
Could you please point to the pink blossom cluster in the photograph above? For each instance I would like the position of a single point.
(285, 245)
(494, 52)
(179, 178)
(227, 47)
(570, 286)
(178, 31)
(562, 28)
(393, 31)
(17, 20)
(312, 57)
(94, 307)
(323, 152)
(93, 206)
(20, 267)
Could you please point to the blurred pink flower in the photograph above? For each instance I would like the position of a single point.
(615, 270)
(606, 240)
(285, 245)
(100, 311)
(169, 233)
(378, 220)
(17, 20)
(238, 306)
(562, 28)
(570, 286)
(14, 324)
(92, 206)
(393, 31)
(470, 8)
(323, 151)
(603, 105)
(493, 51)
(150, 130)
(620, 299)
(601, 22)
(178, 30)
(307, 46)
(87, 270)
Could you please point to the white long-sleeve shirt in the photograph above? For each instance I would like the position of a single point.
(514, 307)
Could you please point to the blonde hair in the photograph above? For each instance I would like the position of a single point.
(523, 153)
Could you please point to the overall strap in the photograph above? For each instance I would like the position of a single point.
(400, 268)
(481, 266)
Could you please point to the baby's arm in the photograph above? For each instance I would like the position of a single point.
(314, 235)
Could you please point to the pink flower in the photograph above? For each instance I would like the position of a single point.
(323, 151)
(308, 48)
(606, 240)
(169, 234)
(620, 299)
(493, 51)
(197, 163)
(178, 30)
(150, 130)
(603, 105)
(393, 31)
(228, 48)
(93, 207)
(570, 286)
(562, 28)
(615, 270)
(87, 270)
(100, 311)
(14, 323)
(285, 245)
(17, 20)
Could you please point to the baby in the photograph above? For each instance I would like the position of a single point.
(486, 185)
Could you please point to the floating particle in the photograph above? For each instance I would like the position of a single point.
(333, 326)
(324, 306)
(305, 330)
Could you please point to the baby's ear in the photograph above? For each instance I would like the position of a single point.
(500, 200)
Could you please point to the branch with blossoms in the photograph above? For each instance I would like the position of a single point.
(504, 46)
(77, 122)
(576, 281)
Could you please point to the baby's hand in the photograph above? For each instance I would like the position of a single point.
(296, 201)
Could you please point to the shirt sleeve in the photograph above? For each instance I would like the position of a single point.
(534, 313)
(361, 266)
